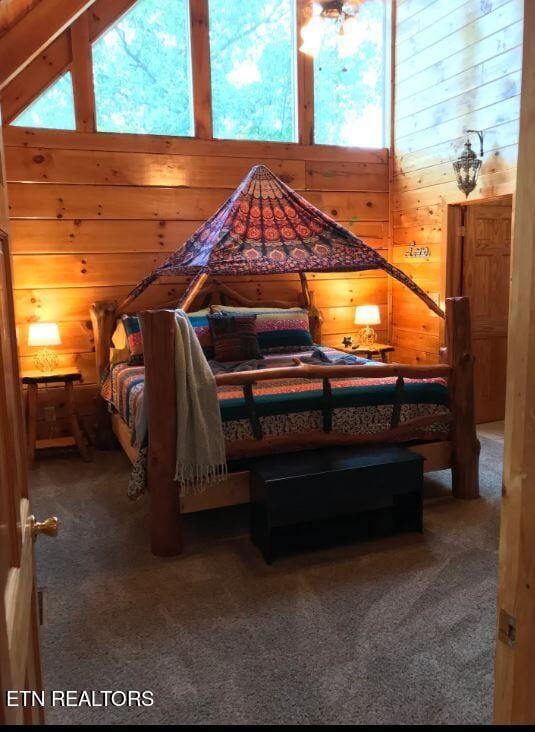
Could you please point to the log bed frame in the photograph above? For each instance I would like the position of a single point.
(460, 452)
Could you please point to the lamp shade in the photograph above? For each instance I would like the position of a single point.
(367, 315)
(43, 334)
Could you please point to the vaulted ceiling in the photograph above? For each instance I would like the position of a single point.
(38, 43)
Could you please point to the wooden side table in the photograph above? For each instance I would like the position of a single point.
(378, 349)
(68, 377)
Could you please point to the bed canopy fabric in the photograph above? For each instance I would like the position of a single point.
(267, 228)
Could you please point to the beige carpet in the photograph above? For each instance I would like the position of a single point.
(396, 630)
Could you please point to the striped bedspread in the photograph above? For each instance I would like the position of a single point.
(293, 406)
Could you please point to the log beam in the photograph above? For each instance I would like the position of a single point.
(305, 80)
(82, 76)
(34, 32)
(302, 370)
(200, 67)
(192, 291)
(103, 315)
(55, 60)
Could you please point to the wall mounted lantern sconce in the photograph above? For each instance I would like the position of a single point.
(468, 165)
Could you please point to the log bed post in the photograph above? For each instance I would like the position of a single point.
(466, 447)
(103, 315)
(158, 327)
(192, 291)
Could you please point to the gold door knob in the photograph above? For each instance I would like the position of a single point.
(49, 526)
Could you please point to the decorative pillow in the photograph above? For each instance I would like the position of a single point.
(199, 323)
(234, 337)
(118, 338)
(134, 339)
(128, 335)
(278, 329)
(119, 355)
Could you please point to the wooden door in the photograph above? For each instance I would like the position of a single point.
(19, 642)
(515, 647)
(485, 279)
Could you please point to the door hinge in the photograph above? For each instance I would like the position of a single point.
(507, 628)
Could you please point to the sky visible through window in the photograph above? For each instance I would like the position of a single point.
(252, 48)
(54, 108)
(349, 83)
(142, 71)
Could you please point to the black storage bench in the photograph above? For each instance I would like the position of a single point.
(331, 495)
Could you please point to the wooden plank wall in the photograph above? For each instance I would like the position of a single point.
(457, 67)
(92, 213)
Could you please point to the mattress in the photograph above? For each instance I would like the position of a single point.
(295, 406)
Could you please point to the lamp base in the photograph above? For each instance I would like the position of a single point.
(367, 336)
(45, 360)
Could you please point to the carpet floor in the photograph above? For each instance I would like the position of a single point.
(391, 631)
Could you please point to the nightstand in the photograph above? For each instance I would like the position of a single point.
(378, 349)
(67, 377)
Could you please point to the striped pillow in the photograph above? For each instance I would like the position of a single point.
(234, 337)
(199, 323)
(134, 336)
(277, 328)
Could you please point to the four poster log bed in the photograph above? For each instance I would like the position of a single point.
(326, 247)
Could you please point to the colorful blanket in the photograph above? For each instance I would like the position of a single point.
(295, 406)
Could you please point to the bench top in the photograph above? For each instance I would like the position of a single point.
(330, 460)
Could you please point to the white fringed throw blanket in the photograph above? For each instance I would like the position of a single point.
(200, 445)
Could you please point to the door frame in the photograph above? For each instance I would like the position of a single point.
(452, 269)
(454, 229)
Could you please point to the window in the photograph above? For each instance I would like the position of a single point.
(54, 108)
(142, 71)
(349, 82)
(252, 52)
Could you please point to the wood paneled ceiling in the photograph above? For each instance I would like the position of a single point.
(11, 11)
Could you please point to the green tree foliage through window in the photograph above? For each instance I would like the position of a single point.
(252, 50)
(143, 76)
(142, 71)
(349, 83)
(53, 109)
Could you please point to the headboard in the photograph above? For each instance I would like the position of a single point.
(105, 313)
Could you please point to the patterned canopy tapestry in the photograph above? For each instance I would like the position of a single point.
(267, 228)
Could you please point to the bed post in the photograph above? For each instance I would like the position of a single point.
(158, 327)
(103, 315)
(465, 457)
(192, 291)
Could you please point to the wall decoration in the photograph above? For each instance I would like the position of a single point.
(414, 251)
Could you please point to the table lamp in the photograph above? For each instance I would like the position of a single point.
(44, 334)
(367, 315)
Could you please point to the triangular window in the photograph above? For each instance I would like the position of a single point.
(54, 108)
